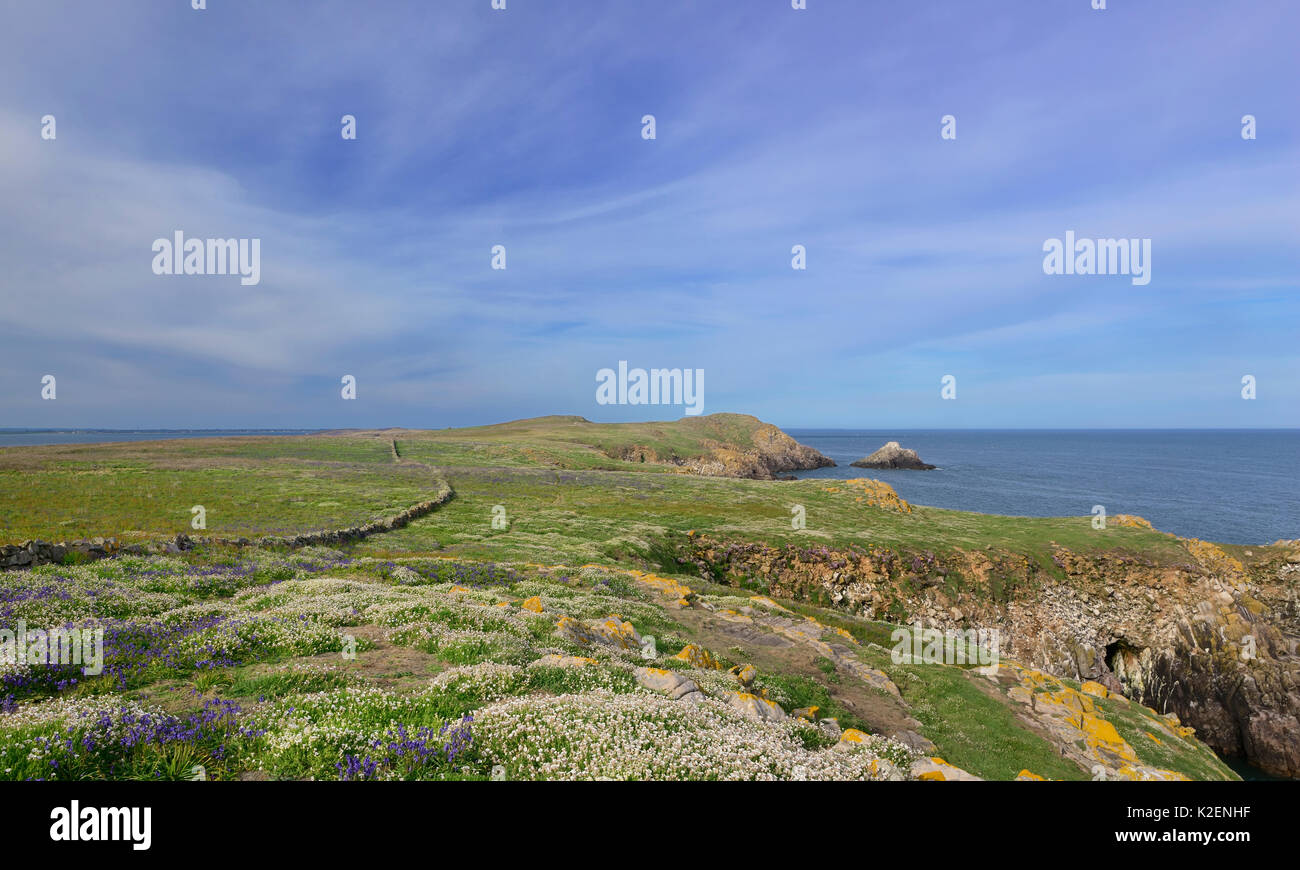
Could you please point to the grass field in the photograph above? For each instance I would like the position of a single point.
(143, 490)
(575, 515)
(563, 496)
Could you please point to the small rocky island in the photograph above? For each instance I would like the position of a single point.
(893, 455)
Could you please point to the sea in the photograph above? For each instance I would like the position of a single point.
(1232, 486)
(1225, 485)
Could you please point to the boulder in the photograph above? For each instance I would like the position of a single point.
(893, 455)
(937, 770)
(755, 707)
(745, 674)
(670, 683)
(852, 736)
(610, 632)
(698, 657)
(915, 741)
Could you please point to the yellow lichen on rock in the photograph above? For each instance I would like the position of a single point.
(873, 492)
(1102, 736)
(744, 673)
(534, 604)
(1078, 709)
(679, 593)
(1097, 690)
(845, 634)
(1079, 726)
(611, 631)
(1213, 558)
(619, 633)
(697, 656)
(1074, 701)
(937, 770)
(755, 707)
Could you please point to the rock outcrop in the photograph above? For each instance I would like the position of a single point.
(893, 455)
(1210, 641)
(738, 446)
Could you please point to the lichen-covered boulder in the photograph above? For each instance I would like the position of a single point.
(611, 631)
(755, 707)
(698, 657)
(937, 770)
(745, 674)
(670, 683)
(1097, 690)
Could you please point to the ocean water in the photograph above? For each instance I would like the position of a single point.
(31, 437)
(1229, 486)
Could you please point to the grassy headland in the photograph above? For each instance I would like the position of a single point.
(465, 610)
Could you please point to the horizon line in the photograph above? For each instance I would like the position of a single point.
(870, 428)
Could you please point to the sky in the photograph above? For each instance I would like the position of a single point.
(774, 127)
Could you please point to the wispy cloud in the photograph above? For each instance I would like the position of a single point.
(521, 128)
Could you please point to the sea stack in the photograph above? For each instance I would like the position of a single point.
(892, 455)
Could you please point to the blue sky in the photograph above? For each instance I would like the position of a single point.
(775, 127)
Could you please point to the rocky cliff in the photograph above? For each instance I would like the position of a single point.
(757, 450)
(772, 453)
(1212, 641)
